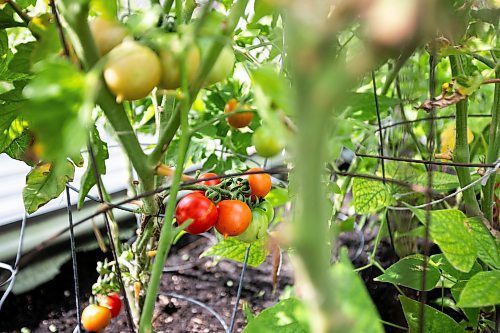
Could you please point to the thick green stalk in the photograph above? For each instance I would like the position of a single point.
(492, 154)
(165, 241)
(461, 153)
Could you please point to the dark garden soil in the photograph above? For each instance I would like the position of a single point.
(50, 307)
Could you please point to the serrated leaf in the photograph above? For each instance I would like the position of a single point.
(43, 184)
(7, 19)
(355, 303)
(435, 321)
(234, 249)
(449, 229)
(21, 61)
(483, 289)
(369, 195)
(441, 181)
(287, 316)
(100, 149)
(408, 272)
(488, 249)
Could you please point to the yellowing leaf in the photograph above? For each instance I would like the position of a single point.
(448, 138)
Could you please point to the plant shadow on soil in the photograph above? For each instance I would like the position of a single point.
(51, 306)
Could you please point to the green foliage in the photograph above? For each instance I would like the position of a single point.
(435, 321)
(483, 289)
(449, 230)
(234, 249)
(100, 150)
(369, 195)
(44, 184)
(287, 316)
(408, 272)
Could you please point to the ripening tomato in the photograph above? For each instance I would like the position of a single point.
(268, 208)
(239, 120)
(107, 34)
(211, 182)
(95, 317)
(112, 302)
(234, 217)
(132, 71)
(266, 142)
(171, 63)
(223, 66)
(257, 228)
(197, 207)
(260, 183)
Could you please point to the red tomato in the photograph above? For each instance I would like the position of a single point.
(234, 217)
(95, 317)
(212, 182)
(201, 210)
(112, 302)
(260, 184)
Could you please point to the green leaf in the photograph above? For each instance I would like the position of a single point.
(100, 149)
(483, 289)
(278, 196)
(471, 313)
(441, 181)
(287, 316)
(362, 105)
(355, 304)
(44, 184)
(435, 321)
(408, 272)
(48, 44)
(449, 272)
(449, 229)
(234, 249)
(7, 19)
(104, 8)
(275, 86)
(17, 149)
(56, 96)
(21, 61)
(369, 195)
(488, 249)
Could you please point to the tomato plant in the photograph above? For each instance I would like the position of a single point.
(95, 318)
(199, 209)
(234, 217)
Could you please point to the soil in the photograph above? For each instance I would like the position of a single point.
(51, 307)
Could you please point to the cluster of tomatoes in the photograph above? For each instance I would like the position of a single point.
(228, 216)
(133, 70)
(95, 317)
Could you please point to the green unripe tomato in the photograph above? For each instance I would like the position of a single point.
(266, 142)
(223, 66)
(257, 228)
(267, 208)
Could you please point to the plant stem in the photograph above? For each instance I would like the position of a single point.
(166, 238)
(461, 153)
(492, 154)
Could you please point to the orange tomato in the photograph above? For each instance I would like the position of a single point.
(238, 120)
(234, 217)
(95, 317)
(260, 183)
